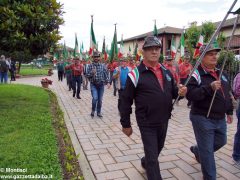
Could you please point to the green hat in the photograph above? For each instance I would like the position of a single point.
(212, 47)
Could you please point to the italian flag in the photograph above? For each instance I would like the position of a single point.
(173, 48)
(182, 44)
(134, 76)
(197, 76)
(104, 53)
(198, 46)
(92, 39)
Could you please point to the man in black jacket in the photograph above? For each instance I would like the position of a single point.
(210, 132)
(153, 88)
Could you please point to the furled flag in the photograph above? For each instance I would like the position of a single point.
(104, 53)
(182, 44)
(114, 47)
(56, 56)
(173, 48)
(120, 54)
(92, 39)
(81, 51)
(198, 46)
(65, 52)
(76, 48)
(155, 31)
(136, 52)
(129, 51)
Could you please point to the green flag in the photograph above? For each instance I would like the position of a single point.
(114, 47)
(155, 31)
(136, 49)
(76, 49)
(65, 52)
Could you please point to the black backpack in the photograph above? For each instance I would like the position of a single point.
(3, 66)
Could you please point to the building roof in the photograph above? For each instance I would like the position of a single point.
(173, 30)
(229, 22)
(164, 30)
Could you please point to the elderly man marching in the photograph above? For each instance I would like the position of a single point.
(120, 74)
(98, 76)
(169, 64)
(152, 87)
(210, 132)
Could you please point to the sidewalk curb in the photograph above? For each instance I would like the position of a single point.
(82, 160)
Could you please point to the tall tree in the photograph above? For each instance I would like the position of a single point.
(29, 27)
(208, 29)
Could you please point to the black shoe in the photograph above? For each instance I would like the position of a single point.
(92, 114)
(78, 97)
(196, 156)
(99, 115)
(143, 162)
(74, 94)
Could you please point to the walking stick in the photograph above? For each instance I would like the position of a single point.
(205, 50)
(224, 62)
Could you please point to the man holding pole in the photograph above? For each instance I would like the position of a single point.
(210, 131)
(152, 87)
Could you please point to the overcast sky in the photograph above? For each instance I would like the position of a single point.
(134, 17)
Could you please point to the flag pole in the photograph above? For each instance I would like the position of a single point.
(224, 62)
(207, 46)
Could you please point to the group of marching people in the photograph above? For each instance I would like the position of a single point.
(81, 73)
(153, 86)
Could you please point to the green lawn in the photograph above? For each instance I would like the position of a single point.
(27, 136)
(35, 71)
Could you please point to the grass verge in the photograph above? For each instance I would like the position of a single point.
(33, 135)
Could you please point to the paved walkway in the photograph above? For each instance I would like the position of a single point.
(112, 155)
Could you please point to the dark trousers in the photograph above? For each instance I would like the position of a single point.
(69, 80)
(60, 75)
(76, 84)
(153, 139)
(210, 135)
(120, 91)
(12, 75)
(236, 145)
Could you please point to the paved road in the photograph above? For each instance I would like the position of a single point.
(112, 155)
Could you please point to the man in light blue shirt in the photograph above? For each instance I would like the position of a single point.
(120, 75)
